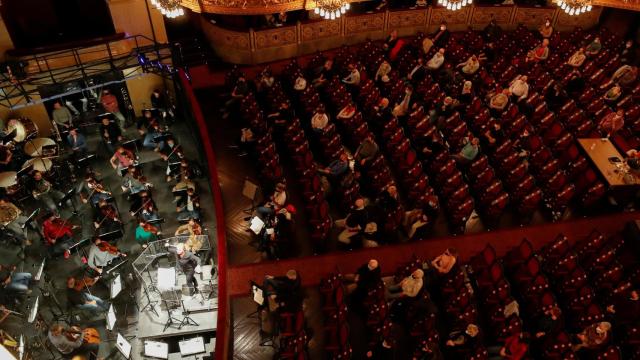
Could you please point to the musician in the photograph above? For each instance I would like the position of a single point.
(14, 281)
(146, 233)
(134, 182)
(77, 142)
(171, 153)
(122, 158)
(188, 206)
(193, 229)
(106, 218)
(11, 218)
(189, 264)
(110, 104)
(101, 254)
(110, 133)
(184, 183)
(159, 101)
(58, 235)
(6, 156)
(185, 169)
(62, 116)
(70, 341)
(142, 124)
(42, 190)
(153, 131)
(139, 201)
(148, 209)
(82, 299)
(91, 190)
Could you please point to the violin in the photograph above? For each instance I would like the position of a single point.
(83, 283)
(150, 228)
(111, 249)
(109, 211)
(90, 335)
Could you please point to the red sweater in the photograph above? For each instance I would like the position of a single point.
(516, 349)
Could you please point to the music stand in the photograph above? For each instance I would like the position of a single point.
(257, 294)
(34, 311)
(123, 346)
(84, 160)
(108, 115)
(132, 146)
(31, 217)
(158, 222)
(40, 270)
(24, 171)
(162, 137)
(150, 304)
(115, 286)
(68, 196)
(250, 190)
(111, 318)
(156, 349)
(191, 346)
(174, 167)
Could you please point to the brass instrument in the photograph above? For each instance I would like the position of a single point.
(8, 214)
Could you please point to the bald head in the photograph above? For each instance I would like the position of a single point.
(373, 264)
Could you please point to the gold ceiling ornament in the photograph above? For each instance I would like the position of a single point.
(454, 5)
(331, 9)
(575, 7)
(169, 8)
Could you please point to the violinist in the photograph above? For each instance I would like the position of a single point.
(185, 169)
(42, 190)
(110, 133)
(107, 218)
(171, 153)
(72, 340)
(122, 159)
(153, 131)
(146, 233)
(134, 181)
(142, 124)
(149, 210)
(92, 190)
(188, 206)
(193, 229)
(78, 297)
(58, 235)
(101, 254)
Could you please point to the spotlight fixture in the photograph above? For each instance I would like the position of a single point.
(169, 8)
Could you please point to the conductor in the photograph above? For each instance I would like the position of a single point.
(189, 264)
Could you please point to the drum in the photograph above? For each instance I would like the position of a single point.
(40, 164)
(9, 181)
(25, 129)
(35, 147)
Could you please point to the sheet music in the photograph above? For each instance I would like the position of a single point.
(34, 310)
(116, 286)
(256, 225)
(191, 346)
(111, 318)
(166, 278)
(40, 270)
(258, 295)
(123, 346)
(156, 349)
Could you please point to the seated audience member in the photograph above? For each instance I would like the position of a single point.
(276, 201)
(441, 36)
(69, 343)
(383, 70)
(548, 324)
(429, 350)
(300, 84)
(613, 94)
(319, 120)
(625, 75)
(240, 90)
(633, 159)
(628, 55)
(283, 116)
(391, 40)
(83, 300)
(612, 122)
(540, 52)
(336, 168)
(519, 88)
(593, 336)
(515, 347)
(415, 222)
(467, 339)
(283, 291)
(325, 74)
(436, 61)
(12, 281)
(494, 133)
(389, 199)
(418, 72)
(577, 59)
(266, 80)
(77, 142)
(469, 151)
(354, 223)
(402, 109)
(353, 78)
(466, 94)
(366, 152)
(492, 31)
(499, 100)
(488, 54)
(366, 278)
(546, 29)
(444, 262)
(146, 233)
(409, 286)
(594, 47)
(470, 66)
(625, 308)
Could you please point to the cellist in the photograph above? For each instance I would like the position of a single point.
(67, 341)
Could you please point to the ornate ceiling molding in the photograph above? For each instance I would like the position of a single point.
(620, 4)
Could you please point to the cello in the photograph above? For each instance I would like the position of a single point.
(89, 335)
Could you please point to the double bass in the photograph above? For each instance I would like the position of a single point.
(89, 335)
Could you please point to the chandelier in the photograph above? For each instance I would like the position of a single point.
(454, 5)
(575, 7)
(169, 8)
(331, 9)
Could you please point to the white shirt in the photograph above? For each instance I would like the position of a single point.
(319, 121)
(353, 78)
(436, 61)
(519, 88)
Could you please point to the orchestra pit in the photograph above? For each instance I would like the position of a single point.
(329, 179)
